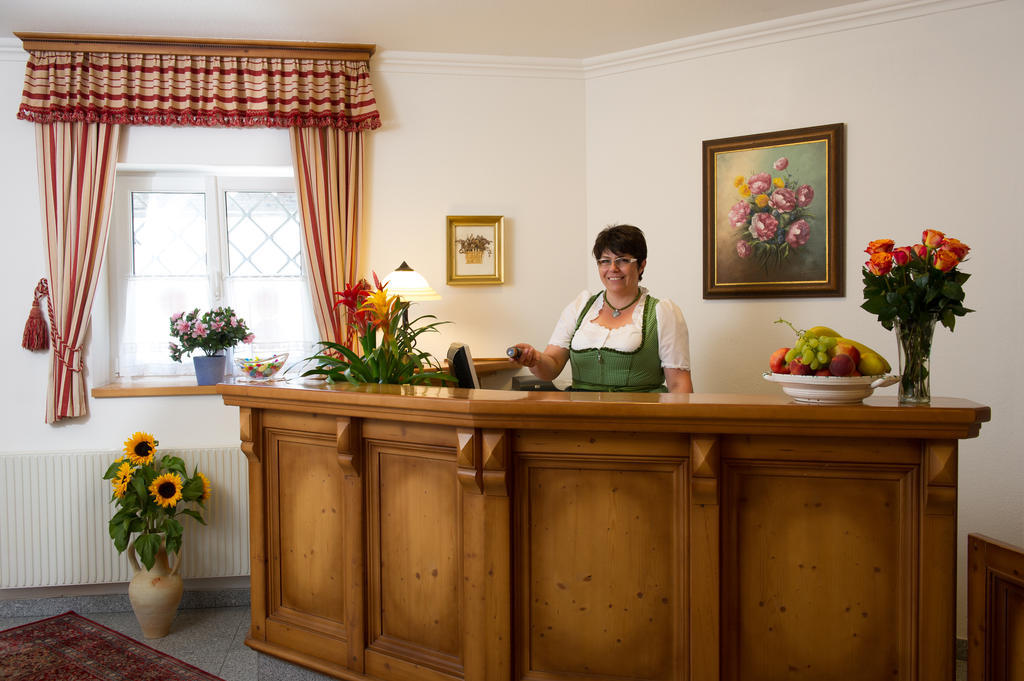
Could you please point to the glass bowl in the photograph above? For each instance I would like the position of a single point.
(261, 369)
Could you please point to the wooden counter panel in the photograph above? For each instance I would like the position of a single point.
(306, 605)
(415, 553)
(818, 567)
(600, 568)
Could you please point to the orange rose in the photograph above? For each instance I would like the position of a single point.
(945, 260)
(880, 263)
(879, 246)
(901, 255)
(959, 248)
(921, 250)
(932, 238)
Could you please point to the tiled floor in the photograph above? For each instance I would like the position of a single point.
(212, 639)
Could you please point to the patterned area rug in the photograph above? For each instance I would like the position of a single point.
(69, 647)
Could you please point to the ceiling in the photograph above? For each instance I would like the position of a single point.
(574, 29)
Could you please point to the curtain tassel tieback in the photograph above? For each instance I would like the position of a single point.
(36, 337)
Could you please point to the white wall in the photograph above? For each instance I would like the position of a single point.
(932, 107)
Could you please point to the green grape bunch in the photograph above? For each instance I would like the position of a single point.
(811, 350)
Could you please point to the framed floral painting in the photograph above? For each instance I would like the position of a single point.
(773, 214)
(475, 249)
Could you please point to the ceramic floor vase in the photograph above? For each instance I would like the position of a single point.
(155, 593)
(209, 369)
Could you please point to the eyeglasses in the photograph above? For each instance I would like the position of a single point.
(619, 262)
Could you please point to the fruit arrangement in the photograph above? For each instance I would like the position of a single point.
(821, 351)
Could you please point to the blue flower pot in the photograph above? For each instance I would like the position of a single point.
(209, 370)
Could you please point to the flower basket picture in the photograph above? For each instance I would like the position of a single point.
(151, 493)
(212, 332)
(911, 289)
(475, 249)
(772, 214)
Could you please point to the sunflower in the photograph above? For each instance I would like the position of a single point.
(139, 448)
(121, 480)
(205, 496)
(166, 490)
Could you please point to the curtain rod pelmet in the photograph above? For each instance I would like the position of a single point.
(194, 46)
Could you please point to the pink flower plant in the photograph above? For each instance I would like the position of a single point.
(212, 332)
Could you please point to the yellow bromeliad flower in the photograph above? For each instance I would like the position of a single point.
(139, 448)
(121, 480)
(166, 490)
(207, 487)
(761, 200)
(778, 182)
(381, 307)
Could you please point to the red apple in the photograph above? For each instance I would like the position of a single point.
(777, 362)
(847, 349)
(842, 365)
(798, 368)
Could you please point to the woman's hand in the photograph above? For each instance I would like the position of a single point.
(528, 355)
(545, 365)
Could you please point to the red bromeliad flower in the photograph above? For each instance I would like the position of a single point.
(352, 298)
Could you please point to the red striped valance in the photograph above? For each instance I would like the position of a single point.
(198, 90)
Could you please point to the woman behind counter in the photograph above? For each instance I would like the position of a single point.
(622, 338)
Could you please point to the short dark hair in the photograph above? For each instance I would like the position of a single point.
(621, 240)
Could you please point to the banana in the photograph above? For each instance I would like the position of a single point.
(870, 367)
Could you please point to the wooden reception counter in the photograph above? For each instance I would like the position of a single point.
(429, 533)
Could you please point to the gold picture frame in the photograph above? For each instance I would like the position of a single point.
(476, 251)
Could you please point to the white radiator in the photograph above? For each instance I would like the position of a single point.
(55, 506)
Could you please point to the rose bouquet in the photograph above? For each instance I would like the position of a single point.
(771, 220)
(386, 339)
(910, 288)
(212, 332)
(149, 492)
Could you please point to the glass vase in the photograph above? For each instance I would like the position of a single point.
(914, 339)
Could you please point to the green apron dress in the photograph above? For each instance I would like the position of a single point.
(606, 370)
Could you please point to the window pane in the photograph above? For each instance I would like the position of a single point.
(263, 234)
(278, 312)
(150, 302)
(168, 234)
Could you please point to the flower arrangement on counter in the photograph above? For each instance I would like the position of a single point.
(772, 219)
(150, 491)
(212, 332)
(386, 340)
(910, 288)
(916, 283)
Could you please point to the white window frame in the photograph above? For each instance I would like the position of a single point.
(214, 184)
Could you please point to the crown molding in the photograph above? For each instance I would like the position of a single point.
(11, 50)
(810, 24)
(442, 63)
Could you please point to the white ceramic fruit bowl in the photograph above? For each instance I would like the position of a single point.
(830, 389)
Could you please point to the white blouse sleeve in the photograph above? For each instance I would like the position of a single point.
(673, 336)
(567, 321)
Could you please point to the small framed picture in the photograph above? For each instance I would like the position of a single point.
(773, 214)
(475, 249)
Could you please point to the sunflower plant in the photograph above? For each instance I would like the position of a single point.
(150, 491)
(386, 339)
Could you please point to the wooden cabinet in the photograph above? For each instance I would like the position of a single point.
(405, 533)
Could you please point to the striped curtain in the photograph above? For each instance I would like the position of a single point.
(198, 90)
(76, 182)
(329, 176)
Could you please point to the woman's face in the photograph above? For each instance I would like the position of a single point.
(620, 276)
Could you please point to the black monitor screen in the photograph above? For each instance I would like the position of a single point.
(462, 365)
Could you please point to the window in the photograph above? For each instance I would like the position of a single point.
(181, 240)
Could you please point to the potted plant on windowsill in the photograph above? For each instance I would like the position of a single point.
(387, 341)
(213, 332)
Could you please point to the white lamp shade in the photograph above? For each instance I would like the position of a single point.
(409, 284)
